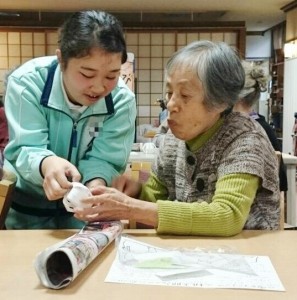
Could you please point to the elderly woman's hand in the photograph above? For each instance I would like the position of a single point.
(107, 204)
(127, 185)
(111, 204)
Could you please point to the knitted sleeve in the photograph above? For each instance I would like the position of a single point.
(224, 216)
(153, 189)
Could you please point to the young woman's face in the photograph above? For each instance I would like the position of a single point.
(188, 116)
(89, 79)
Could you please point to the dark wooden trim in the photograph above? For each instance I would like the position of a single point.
(187, 25)
(129, 20)
(289, 6)
(183, 29)
(262, 33)
(242, 42)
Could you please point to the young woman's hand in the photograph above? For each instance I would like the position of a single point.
(58, 174)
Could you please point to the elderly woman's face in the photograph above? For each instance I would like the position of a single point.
(188, 116)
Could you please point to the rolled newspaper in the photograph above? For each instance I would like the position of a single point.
(58, 265)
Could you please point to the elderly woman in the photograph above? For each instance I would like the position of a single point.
(216, 172)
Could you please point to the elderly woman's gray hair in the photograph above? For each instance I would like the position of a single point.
(217, 66)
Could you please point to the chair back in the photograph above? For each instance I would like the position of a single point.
(140, 171)
(282, 196)
(7, 185)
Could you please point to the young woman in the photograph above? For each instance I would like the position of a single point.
(71, 118)
(216, 172)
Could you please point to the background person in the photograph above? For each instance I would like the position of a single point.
(71, 118)
(3, 130)
(216, 172)
(256, 82)
(159, 136)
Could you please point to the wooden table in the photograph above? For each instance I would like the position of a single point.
(19, 281)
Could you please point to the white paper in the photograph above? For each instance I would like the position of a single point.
(140, 263)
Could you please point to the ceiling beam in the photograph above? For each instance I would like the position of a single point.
(129, 20)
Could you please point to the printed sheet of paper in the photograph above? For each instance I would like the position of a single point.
(140, 263)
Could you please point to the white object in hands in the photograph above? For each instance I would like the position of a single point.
(74, 196)
(148, 148)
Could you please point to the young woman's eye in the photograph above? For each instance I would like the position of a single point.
(86, 76)
(110, 78)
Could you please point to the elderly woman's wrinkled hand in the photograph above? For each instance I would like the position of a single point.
(107, 204)
(127, 185)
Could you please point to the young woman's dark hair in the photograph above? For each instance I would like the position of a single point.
(87, 30)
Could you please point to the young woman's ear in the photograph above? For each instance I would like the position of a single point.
(59, 57)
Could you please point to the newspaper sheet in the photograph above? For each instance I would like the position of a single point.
(58, 265)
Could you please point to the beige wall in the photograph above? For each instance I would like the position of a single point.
(291, 25)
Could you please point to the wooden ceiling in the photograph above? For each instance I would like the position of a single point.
(257, 15)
